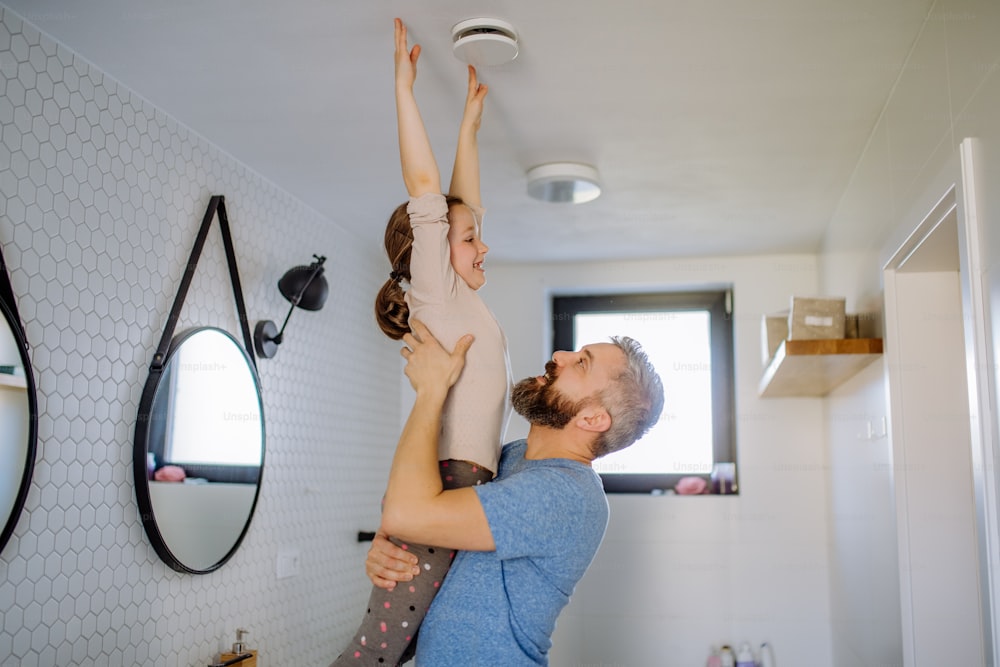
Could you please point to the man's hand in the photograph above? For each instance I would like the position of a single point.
(387, 564)
(429, 366)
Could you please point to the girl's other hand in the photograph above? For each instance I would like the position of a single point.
(406, 60)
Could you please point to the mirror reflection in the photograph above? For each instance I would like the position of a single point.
(199, 450)
(17, 418)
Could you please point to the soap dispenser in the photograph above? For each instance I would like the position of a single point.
(239, 648)
(744, 656)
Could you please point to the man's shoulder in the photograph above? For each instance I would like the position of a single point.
(513, 450)
(514, 445)
(557, 475)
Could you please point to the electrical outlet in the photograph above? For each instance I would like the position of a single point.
(288, 563)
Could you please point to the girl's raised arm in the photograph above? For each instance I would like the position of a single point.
(420, 171)
(465, 174)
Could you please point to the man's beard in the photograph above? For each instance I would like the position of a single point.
(543, 404)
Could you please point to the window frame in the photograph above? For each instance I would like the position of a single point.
(718, 303)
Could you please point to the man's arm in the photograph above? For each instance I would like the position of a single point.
(465, 174)
(420, 171)
(416, 507)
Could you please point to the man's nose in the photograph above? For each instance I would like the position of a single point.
(562, 357)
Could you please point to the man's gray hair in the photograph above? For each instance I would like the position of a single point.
(634, 400)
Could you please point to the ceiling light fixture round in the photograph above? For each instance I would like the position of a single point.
(484, 42)
(571, 182)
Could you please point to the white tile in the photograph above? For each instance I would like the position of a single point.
(106, 192)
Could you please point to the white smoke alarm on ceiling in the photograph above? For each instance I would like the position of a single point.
(484, 42)
(564, 182)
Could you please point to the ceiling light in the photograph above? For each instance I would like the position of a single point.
(484, 42)
(564, 182)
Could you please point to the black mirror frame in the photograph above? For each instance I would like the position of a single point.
(8, 307)
(216, 209)
(141, 438)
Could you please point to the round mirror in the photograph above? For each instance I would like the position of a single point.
(199, 450)
(18, 421)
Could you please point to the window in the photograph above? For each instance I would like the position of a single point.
(689, 339)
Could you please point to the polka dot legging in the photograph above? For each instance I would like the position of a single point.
(388, 630)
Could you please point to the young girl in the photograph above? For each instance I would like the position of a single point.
(434, 245)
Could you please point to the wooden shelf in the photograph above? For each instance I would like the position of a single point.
(14, 381)
(816, 367)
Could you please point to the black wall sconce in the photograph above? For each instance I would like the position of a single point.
(303, 286)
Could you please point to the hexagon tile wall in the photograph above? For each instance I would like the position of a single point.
(101, 195)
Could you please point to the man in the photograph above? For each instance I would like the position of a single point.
(526, 538)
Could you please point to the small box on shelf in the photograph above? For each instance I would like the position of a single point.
(816, 318)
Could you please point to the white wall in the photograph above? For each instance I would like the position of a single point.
(949, 89)
(101, 196)
(678, 574)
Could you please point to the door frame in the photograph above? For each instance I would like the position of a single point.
(981, 375)
(961, 200)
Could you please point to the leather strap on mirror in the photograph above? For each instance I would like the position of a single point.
(6, 292)
(216, 207)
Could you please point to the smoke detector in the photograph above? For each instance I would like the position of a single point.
(570, 182)
(484, 42)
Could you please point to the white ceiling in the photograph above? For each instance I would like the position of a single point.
(719, 127)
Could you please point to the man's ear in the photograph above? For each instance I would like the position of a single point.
(593, 418)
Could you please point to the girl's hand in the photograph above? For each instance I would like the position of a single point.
(406, 60)
(473, 115)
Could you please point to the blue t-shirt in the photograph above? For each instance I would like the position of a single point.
(499, 608)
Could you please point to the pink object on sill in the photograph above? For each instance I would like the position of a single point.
(170, 474)
(690, 486)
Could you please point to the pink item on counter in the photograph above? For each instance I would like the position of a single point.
(170, 474)
(690, 486)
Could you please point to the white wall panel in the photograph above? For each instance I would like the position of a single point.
(101, 196)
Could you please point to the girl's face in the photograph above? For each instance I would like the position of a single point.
(467, 250)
